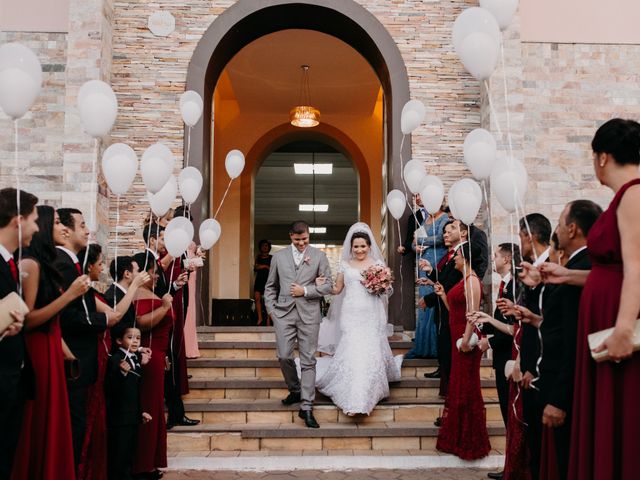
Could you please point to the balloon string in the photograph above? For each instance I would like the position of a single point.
(92, 213)
(401, 276)
(489, 224)
(223, 198)
(506, 100)
(17, 175)
(188, 145)
(493, 111)
(115, 252)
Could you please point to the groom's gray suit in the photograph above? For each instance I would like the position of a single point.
(297, 317)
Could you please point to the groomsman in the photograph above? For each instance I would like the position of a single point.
(80, 322)
(445, 273)
(414, 222)
(127, 271)
(560, 306)
(15, 374)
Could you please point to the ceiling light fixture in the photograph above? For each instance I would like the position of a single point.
(307, 207)
(317, 229)
(304, 115)
(311, 168)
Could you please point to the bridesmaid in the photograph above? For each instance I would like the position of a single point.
(46, 448)
(155, 318)
(604, 434)
(261, 268)
(464, 425)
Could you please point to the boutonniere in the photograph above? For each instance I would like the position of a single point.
(306, 260)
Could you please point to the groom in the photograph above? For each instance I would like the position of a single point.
(293, 301)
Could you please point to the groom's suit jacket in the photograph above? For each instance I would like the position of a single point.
(283, 273)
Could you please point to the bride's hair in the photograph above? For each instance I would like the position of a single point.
(363, 235)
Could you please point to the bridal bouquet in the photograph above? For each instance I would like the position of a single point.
(377, 279)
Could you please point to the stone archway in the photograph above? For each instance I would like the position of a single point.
(346, 20)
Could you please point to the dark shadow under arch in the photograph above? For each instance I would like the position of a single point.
(248, 20)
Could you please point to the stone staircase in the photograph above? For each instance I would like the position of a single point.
(236, 391)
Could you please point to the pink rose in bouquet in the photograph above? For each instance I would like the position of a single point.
(377, 279)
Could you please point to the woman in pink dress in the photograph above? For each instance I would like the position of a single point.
(464, 425)
(190, 332)
(154, 318)
(604, 438)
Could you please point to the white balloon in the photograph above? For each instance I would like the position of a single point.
(20, 79)
(190, 183)
(234, 163)
(412, 116)
(479, 55)
(191, 107)
(465, 197)
(474, 20)
(432, 193)
(502, 10)
(396, 203)
(209, 233)
(156, 166)
(162, 200)
(509, 181)
(480, 153)
(98, 107)
(467, 207)
(119, 167)
(414, 172)
(178, 235)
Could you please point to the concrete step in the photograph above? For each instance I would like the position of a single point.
(331, 436)
(272, 388)
(204, 368)
(264, 349)
(247, 334)
(272, 411)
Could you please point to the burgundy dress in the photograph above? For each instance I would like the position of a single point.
(464, 425)
(93, 460)
(151, 451)
(606, 413)
(46, 448)
(179, 351)
(516, 465)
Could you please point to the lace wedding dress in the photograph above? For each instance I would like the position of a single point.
(357, 376)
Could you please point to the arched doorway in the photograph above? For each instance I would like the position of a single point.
(247, 21)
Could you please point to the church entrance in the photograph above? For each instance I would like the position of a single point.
(247, 68)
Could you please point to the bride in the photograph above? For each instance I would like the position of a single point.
(357, 376)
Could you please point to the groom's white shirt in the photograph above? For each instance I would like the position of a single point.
(297, 259)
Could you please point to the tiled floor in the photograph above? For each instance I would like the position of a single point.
(432, 474)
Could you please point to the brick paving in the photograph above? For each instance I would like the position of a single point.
(431, 474)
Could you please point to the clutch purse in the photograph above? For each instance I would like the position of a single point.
(10, 303)
(473, 341)
(595, 340)
(510, 369)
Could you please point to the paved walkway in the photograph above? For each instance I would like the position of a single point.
(431, 474)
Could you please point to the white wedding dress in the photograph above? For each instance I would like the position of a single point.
(357, 376)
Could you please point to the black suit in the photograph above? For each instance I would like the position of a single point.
(501, 344)
(12, 382)
(124, 414)
(113, 296)
(412, 226)
(480, 262)
(80, 332)
(448, 276)
(560, 305)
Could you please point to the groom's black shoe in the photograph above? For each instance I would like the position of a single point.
(293, 397)
(435, 374)
(495, 475)
(309, 419)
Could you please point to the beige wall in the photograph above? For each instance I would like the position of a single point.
(34, 15)
(580, 21)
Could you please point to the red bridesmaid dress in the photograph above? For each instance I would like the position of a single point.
(151, 452)
(606, 417)
(464, 425)
(46, 448)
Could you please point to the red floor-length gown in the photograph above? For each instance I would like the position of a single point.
(93, 460)
(178, 341)
(464, 424)
(516, 465)
(151, 451)
(606, 403)
(46, 447)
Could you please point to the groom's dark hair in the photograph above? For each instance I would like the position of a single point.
(298, 227)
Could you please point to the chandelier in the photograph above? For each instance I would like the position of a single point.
(304, 115)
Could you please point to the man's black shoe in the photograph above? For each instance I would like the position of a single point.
(309, 419)
(293, 397)
(184, 421)
(438, 422)
(495, 475)
(435, 374)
